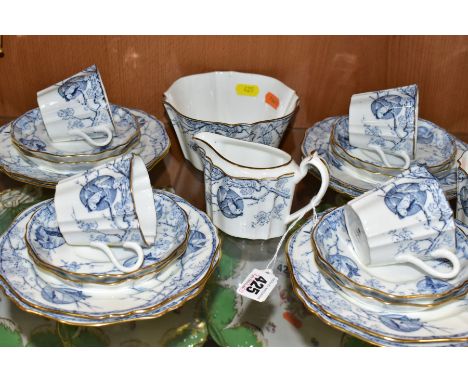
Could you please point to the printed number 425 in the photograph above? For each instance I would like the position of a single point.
(256, 284)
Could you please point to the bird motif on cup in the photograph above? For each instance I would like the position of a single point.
(406, 199)
(73, 87)
(99, 193)
(229, 202)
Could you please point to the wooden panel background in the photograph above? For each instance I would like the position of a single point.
(324, 70)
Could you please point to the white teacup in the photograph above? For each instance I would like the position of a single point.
(77, 108)
(405, 220)
(462, 189)
(109, 205)
(385, 121)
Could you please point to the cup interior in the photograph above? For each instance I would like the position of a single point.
(231, 97)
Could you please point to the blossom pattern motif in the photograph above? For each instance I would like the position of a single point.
(171, 227)
(317, 138)
(234, 198)
(335, 247)
(376, 325)
(88, 104)
(397, 107)
(82, 303)
(462, 195)
(110, 195)
(152, 146)
(268, 132)
(415, 192)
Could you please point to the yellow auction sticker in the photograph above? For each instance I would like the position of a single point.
(247, 90)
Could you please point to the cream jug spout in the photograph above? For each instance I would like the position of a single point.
(243, 159)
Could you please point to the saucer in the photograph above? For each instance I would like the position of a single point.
(351, 182)
(79, 321)
(435, 149)
(49, 294)
(48, 248)
(152, 146)
(445, 325)
(399, 283)
(30, 136)
(348, 328)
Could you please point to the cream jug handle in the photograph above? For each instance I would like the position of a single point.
(317, 162)
(135, 247)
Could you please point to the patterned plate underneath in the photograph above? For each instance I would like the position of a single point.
(352, 183)
(153, 146)
(129, 300)
(446, 325)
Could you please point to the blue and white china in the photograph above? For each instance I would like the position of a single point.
(249, 186)
(109, 205)
(398, 283)
(30, 136)
(77, 108)
(443, 326)
(350, 327)
(152, 146)
(462, 189)
(436, 149)
(405, 220)
(351, 182)
(48, 248)
(245, 106)
(97, 304)
(385, 121)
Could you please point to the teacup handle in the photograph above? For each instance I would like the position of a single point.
(91, 141)
(437, 254)
(130, 245)
(402, 154)
(316, 161)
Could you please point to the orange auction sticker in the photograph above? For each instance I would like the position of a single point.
(272, 100)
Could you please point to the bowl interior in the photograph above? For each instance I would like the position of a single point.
(231, 97)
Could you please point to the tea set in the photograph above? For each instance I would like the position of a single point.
(390, 266)
(108, 248)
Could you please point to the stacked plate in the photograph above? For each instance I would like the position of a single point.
(395, 305)
(29, 155)
(77, 285)
(354, 171)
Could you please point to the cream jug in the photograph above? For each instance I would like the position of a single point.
(249, 187)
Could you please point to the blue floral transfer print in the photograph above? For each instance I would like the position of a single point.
(464, 200)
(99, 193)
(425, 135)
(89, 107)
(399, 110)
(233, 197)
(34, 144)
